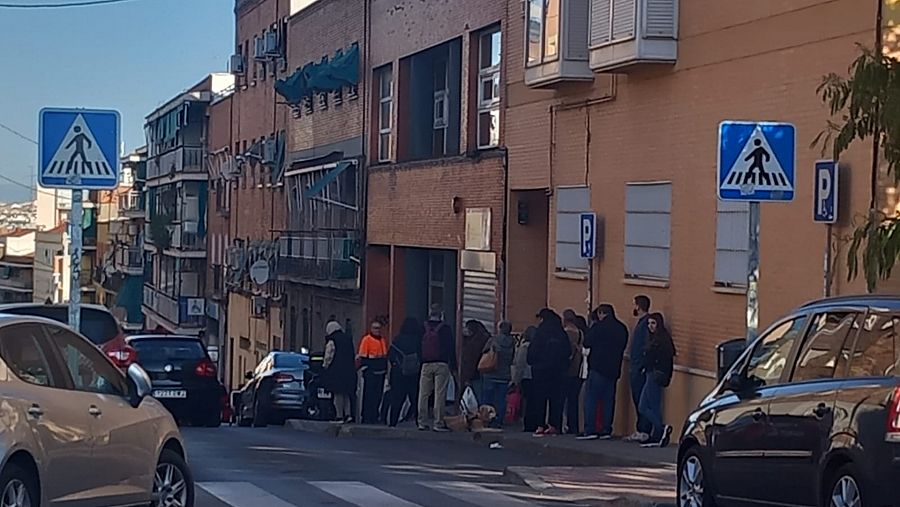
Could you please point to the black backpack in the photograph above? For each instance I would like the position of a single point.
(409, 363)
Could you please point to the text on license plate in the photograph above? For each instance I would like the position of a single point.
(170, 393)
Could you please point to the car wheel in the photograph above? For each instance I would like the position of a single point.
(259, 415)
(173, 483)
(693, 489)
(845, 489)
(213, 421)
(18, 488)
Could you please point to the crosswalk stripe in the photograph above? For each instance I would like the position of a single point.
(362, 494)
(475, 494)
(242, 494)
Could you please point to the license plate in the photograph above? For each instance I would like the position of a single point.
(324, 394)
(170, 393)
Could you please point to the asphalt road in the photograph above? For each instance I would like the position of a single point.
(279, 467)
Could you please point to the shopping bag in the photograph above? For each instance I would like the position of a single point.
(488, 362)
(468, 405)
(451, 391)
(513, 406)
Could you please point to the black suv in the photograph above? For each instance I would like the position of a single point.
(809, 414)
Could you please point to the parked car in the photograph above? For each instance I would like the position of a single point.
(74, 426)
(97, 324)
(276, 390)
(184, 377)
(809, 414)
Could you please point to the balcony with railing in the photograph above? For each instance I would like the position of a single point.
(131, 204)
(181, 312)
(16, 279)
(325, 258)
(130, 261)
(182, 160)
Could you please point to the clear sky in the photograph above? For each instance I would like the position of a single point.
(131, 57)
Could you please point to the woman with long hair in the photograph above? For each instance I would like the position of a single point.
(658, 362)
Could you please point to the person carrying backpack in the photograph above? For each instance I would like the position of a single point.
(549, 355)
(438, 360)
(497, 380)
(405, 358)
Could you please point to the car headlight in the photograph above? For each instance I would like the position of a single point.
(304, 350)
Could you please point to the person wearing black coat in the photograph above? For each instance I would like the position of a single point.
(606, 340)
(549, 355)
(339, 374)
(658, 363)
(405, 359)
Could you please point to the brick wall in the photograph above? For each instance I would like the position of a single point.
(662, 125)
(217, 223)
(412, 205)
(318, 31)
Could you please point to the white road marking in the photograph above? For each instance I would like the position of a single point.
(242, 494)
(476, 494)
(362, 494)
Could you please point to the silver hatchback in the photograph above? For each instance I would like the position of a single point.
(75, 431)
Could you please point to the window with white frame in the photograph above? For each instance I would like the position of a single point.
(732, 243)
(648, 230)
(542, 21)
(384, 78)
(571, 202)
(489, 52)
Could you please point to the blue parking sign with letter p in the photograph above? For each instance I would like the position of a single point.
(825, 193)
(588, 228)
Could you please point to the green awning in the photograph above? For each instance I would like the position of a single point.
(326, 75)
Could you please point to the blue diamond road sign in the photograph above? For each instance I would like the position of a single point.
(78, 148)
(757, 161)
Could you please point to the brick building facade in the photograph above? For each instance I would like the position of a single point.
(636, 142)
(321, 243)
(436, 182)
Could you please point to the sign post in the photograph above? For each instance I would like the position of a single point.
(825, 209)
(78, 150)
(588, 233)
(756, 163)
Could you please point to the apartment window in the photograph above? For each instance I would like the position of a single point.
(489, 52)
(571, 202)
(432, 102)
(648, 208)
(255, 61)
(732, 231)
(543, 31)
(384, 78)
(436, 279)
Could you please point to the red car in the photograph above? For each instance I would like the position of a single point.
(97, 324)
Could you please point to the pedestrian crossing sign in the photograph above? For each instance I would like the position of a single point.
(78, 148)
(756, 161)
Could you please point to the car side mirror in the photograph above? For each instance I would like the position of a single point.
(139, 383)
(248, 375)
(735, 382)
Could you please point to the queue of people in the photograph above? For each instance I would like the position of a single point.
(561, 375)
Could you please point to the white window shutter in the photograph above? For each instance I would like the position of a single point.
(577, 20)
(623, 19)
(660, 18)
(601, 28)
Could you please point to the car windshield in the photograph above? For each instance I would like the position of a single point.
(98, 326)
(289, 361)
(156, 352)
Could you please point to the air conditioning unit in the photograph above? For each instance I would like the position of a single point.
(259, 306)
(269, 151)
(237, 64)
(271, 43)
(259, 46)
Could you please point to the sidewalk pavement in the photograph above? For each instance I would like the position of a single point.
(610, 473)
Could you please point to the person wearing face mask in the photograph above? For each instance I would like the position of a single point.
(636, 375)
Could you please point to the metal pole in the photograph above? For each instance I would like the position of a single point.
(827, 269)
(76, 229)
(753, 275)
(590, 294)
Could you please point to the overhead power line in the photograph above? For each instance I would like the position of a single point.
(60, 5)
(17, 133)
(23, 185)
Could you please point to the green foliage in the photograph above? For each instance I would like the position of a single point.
(867, 104)
(159, 231)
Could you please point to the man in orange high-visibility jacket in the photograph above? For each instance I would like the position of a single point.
(373, 363)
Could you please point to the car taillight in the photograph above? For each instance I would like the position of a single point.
(124, 357)
(283, 378)
(205, 369)
(893, 418)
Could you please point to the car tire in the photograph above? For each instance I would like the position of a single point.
(172, 480)
(14, 476)
(693, 481)
(260, 418)
(213, 421)
(846, 482)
